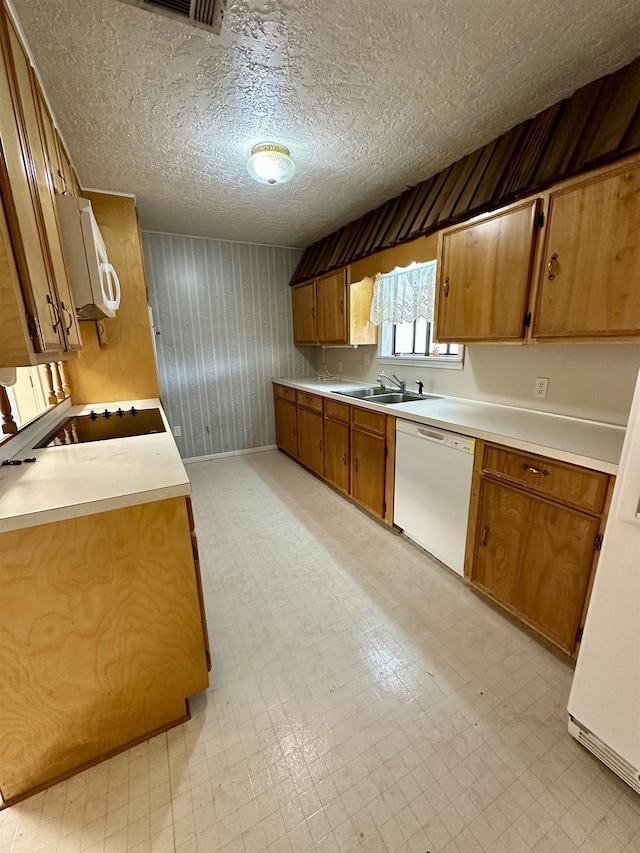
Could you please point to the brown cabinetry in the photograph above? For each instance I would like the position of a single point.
(534, 533)
(484, 273)
(350, 447)
(329, 310)
(590, 263)
(35, 300)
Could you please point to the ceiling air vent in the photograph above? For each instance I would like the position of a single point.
(206, 14)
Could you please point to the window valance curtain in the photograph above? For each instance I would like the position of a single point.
(404, 295)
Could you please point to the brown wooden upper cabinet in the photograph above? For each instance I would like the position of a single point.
(39, 322)
(590, 263)
(484, 273)
(329, 310)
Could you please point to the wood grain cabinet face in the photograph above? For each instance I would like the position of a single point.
(337, 459)
(305, 325)
(286, 426)
(368, 465)
(484, 273)
(331, 300)
(535, 557)
(591, 259)
(311, 440)
(535, 526)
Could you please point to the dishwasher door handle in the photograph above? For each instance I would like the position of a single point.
(436, 436)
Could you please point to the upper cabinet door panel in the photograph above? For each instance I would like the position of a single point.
(19, 195)
(331, 300)
(484, 276)
(28, 95)
(305, 326)
(589, 279)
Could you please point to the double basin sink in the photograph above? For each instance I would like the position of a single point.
(386, 397)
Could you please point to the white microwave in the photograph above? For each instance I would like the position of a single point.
(94, 282)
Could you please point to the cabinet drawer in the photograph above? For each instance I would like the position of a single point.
(372, 421)
(569, 484)
(285, 393)
(337, 411)
(309, 401)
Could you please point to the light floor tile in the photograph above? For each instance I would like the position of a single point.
(362, 698)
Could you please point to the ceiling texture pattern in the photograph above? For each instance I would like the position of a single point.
(370, 96)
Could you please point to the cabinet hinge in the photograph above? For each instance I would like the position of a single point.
(597, 545)
(384, 507)
(386, 450)
(527, 319)
(540, 220)
(579, 634)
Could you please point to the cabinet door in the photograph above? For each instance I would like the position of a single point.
(25, 84)
(336, 454)
(19, 197)
(368, 470)
(484, 276)
(535, 557)
(286, 429)
(591, 259)
(305, 327)
(311, 440)
(331, 300)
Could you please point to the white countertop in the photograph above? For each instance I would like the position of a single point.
(82, 479)
(588, 443)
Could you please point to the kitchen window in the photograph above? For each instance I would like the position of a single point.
(403, 308)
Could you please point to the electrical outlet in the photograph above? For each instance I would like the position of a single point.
(542, 385)
(339, 367)
(177, 431)
(367, 360)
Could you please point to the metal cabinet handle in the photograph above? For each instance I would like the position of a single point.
(56, 310)
(552, 266)
(344, 457)
(313, 311)
(485, 534)
(355, 465)
(342, 306)
(445, 286)
(543, 471)
(70, 316)
(320, 446)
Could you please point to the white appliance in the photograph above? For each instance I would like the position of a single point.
(94, 282)
(433, 489)
(604, 704)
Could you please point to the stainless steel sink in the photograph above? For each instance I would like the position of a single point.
(385, 396)
(362, 393)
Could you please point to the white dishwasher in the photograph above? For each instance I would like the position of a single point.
(433, 489)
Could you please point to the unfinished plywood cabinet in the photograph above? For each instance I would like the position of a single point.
(102, 639)
(330, 310)
(590, 263)
(534, 533)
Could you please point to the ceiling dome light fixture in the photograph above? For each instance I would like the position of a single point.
(270, 163)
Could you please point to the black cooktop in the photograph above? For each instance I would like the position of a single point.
(98, 426)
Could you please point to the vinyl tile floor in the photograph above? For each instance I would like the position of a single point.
(362, 698)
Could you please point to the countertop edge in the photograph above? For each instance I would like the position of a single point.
(562, 454)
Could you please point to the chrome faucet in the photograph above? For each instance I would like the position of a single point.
(402, 385)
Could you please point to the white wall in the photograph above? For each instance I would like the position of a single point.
(594, 381)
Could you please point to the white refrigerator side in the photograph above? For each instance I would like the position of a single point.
(605, 695)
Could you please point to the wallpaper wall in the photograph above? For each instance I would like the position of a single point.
(223, 311)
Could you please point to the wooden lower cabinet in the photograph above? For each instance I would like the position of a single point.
(368, 467)
(103, 639)
(311, 440)
(337, 457)
(286, 426)
(531, 551)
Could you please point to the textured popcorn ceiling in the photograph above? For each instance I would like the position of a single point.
(370, 96)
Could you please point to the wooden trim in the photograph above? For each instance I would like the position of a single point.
(390, 473)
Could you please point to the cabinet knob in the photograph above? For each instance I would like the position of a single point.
(485, 534)
(445, 286)
(552, 266)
